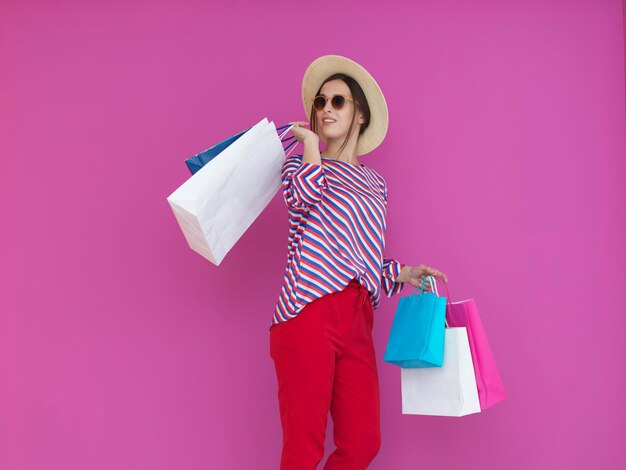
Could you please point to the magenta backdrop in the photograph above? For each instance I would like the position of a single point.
(120, 348)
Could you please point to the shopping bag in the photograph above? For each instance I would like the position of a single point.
(417, 332)
(218, 203)
(198, 161)
(464, 313)
(449, 390)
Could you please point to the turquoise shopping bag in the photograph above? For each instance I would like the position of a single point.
(416, 338)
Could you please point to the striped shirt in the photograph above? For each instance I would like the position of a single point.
(336, 233)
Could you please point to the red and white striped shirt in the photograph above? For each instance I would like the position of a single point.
(336, 233)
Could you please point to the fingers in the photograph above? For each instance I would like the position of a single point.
(436, 273)
(427, 280)
(427, 283)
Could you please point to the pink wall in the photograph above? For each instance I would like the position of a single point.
(120, 348)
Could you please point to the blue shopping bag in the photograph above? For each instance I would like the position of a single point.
(417, 334)
(198, 161)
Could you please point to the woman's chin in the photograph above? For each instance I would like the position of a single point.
(327, 134)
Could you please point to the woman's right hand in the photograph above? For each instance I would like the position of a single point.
(415, 274)
(303, 134)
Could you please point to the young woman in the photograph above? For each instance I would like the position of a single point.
(321, 332)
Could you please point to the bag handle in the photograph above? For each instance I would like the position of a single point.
(287, 128)
(421, 288)
(449, 302)
(434, 284)
(445, 285)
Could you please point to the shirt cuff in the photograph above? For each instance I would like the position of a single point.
(390, 272)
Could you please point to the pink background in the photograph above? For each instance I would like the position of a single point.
(120, 348)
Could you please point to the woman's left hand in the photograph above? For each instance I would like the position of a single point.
(415, 274)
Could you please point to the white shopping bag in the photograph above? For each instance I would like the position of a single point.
(218, 203)
(449, 390)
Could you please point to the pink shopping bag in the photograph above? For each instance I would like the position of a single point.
(465, 313)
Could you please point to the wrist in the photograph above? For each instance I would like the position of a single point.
(311, 140)
(404, 274)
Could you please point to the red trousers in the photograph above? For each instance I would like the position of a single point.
(325, 361)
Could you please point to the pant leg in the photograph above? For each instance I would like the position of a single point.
(355, 406)
(304, 361)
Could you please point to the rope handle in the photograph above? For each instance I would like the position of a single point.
(434, 284)
(287, 128)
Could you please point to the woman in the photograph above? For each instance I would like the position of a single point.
(321, 332)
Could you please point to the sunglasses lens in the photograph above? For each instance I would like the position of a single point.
(319, 102)
(338, 101)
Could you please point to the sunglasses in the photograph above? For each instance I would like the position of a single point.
(337, 101)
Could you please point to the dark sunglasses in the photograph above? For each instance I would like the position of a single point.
(337, 101)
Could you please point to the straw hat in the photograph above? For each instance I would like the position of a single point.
(322, 68)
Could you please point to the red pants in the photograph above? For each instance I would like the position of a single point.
(325, 361)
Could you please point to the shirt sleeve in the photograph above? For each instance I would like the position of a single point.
(390, 272)
(303, 184)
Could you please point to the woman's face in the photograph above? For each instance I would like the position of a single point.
(339, 129)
